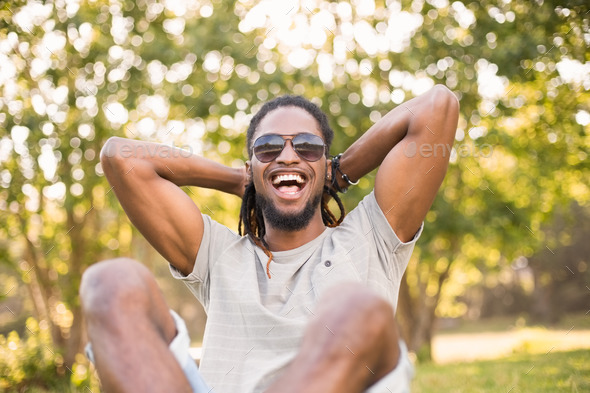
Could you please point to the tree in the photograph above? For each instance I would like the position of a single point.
(70, 77)
(192, 74)
(528, 111)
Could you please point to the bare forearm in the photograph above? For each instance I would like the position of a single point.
(418, 115)
(173, 164)
(370, 149)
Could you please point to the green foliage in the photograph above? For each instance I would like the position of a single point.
(192, 76)
(29, 362)
(556, 372)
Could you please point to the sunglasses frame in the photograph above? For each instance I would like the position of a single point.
(293, 146)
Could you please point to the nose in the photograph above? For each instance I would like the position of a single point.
(288, 155)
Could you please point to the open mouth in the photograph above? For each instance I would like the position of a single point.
(289, 183)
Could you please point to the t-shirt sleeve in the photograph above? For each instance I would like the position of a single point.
(386, 237)
(216, 238)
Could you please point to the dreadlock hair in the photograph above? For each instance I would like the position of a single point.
(251, 219)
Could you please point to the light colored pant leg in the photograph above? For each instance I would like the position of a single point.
(179, 348)
(399, 379)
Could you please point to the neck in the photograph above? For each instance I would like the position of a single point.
(281, 240)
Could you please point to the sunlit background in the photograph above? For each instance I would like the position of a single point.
(505, 246)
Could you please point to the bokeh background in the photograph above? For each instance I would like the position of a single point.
(506, 247)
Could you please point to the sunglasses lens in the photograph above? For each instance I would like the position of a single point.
(268, 147)
(309, 147)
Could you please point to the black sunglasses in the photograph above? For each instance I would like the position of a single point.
(268, 147)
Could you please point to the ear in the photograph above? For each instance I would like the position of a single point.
(248, 171)
(329, 171)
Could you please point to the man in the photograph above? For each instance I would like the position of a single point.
(300, 304)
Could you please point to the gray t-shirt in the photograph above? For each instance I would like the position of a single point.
(255, 324)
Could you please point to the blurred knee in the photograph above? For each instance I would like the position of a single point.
(356, 303)
(360, 322)
(108, 287)
(358, 316)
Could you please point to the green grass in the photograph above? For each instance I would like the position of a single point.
(555, 372)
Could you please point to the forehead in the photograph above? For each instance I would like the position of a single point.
(288, 120)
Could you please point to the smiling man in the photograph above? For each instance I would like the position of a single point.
(303, 302)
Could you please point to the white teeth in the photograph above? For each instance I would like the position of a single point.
(289, 177)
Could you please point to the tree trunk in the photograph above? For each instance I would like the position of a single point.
(417, 311)
(40, 286)
(74, 342)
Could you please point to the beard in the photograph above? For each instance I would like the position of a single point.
(287, 221)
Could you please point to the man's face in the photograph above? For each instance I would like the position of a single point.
(289, 188)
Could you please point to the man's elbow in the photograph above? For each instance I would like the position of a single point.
(114, 156)
(444, 100)
(114, 150)
(120, 155)
(444, 105)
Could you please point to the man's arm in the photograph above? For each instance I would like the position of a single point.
(146, 178)
(412, 145)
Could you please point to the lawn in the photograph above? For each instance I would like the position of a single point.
(553, 372)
